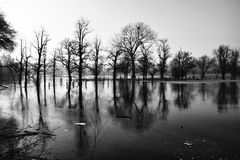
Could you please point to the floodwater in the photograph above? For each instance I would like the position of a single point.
(128, 120)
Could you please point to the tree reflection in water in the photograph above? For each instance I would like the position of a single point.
(123, 102)
(69, 99)
(206, 91)
(184, 95)
(143, 116)
(227, 94)
(134, 106)
(94, 125)
(163, 102)
(131, 110)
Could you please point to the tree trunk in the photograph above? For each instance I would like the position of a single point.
(69, 80)
(114, 71)
(54, 93)
(152, 76)
(203, 75)
(115, 97)
(20, 74)
(162, 67)
(21, 67)
(38, 78)
(38, 95)
(80, 81)
(96, 96)
(162, 75)
(223, 75)
(44, 72)
(38, 70)
(26, 74)
(133, 68)
(54, 72)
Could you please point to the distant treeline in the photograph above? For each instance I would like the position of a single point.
(135, 50)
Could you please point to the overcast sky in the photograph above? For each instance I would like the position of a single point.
(198, 26)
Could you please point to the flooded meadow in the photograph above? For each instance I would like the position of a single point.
(121, 120)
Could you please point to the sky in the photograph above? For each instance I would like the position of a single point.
(197, 26)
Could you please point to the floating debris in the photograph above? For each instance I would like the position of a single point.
(80, 124)
(65, 130)
(188, 143)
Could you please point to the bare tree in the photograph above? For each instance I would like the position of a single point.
(153, 69)
(124, 65)
(181, 64)
(40, 44)
(222, 55)
(82, 30)
(45, 65)
(204, 63)
(97, 59)
(164, 55)
(132, 37)
(66, 53)
(114, 56)
(233, 62)
(21, 67)
(145, 60)
(26, 67)
(53, 65)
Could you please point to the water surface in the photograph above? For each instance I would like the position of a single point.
(126, 120)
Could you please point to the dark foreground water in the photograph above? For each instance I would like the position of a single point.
(133, 120)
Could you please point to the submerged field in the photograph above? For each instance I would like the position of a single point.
(131, 120)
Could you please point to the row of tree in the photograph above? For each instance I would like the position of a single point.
(133, 50)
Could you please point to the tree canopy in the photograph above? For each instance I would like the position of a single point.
(7, 35)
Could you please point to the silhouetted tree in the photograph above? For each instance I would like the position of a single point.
(44, 68)
(21, 66)
(53, 65)
(145, 60)
(97, 67)
(132, 37)
(96, 97)
(124, 65)
(40, 44)
(114, 56)
(66, 58)
(82, 30)
(164, 55)
(7, 35)
(222, 55)
(233, 62)
(26, 68)
(153, 69)
(97, 59)
(204, 63)
(181, 64)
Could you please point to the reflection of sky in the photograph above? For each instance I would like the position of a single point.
(201, 115)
